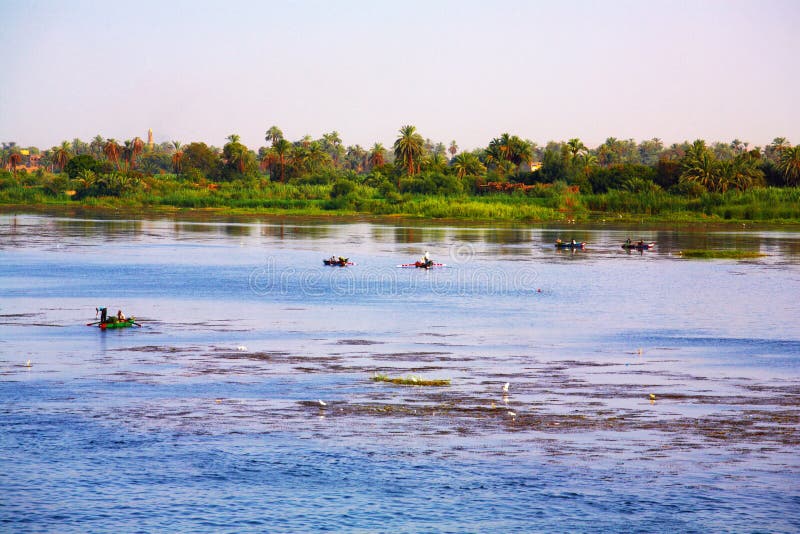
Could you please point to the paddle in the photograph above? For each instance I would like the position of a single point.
(96, 322)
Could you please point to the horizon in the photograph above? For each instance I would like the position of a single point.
(458, 71)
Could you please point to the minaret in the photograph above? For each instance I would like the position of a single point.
(150, 138)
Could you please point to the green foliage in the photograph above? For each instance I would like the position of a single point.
(721, 254)
(432, 183)
(342, 188)
(200, 157)
(84, 162)
(627, 176)
(410, 380)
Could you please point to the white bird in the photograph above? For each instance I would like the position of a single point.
(505, 387)
(28, 363)
(322, 403)
(241, 348)
(512, 414)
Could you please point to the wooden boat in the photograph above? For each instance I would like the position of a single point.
(570, 244)
(638, 246)
(119, 324)
(422, 264)
(337, 262)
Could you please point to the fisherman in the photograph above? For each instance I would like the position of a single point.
(426, 259)
(103, 313)
(573, 242)
(120, 316)
(628, 241)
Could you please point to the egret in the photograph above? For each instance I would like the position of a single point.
(505, 387)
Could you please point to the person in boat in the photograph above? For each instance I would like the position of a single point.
(641, 242)
(342, 260)
(558, 241)
(573, 243)
(426, 259)
(628, 241)
(120, 316)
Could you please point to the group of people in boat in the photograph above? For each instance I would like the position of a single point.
(104, 318)
(340, 259)
(425, 260)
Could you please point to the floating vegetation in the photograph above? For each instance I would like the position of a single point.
(721, 254)
(410, 380)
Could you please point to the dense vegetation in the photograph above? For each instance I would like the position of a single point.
(509, 179)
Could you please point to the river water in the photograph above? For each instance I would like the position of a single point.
(246, 400)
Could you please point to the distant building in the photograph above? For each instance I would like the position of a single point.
(150, 138)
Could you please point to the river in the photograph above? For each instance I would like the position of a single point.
(646, 392)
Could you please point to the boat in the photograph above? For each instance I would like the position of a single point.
(422, 264)
(570, 244)
(106, 322)
(130, 321)
(638, 246)
(337, 262)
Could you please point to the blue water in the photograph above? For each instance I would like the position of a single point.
(208, 417)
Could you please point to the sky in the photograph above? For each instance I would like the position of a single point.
(458, 70)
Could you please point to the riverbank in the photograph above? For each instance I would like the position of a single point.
(767, 206)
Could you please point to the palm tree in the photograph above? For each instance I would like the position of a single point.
(576, 146)
(61, 155)
(468, 163)
(96, 146)
(377, 155)
(282, 149)
(233, 138)
(408, 148)
(136, 148)
(586, 162)
(453, 149)
(699, 165)
(333, 144)
(273, 134)
(111, 151)
(789, 164)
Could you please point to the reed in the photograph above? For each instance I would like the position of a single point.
(411, 381)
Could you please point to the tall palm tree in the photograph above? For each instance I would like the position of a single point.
(586, 162)
(453, 149)
(789, 164)
(111, 150)
(377, 155)
(61, 155)
(282, 149)
(576, 146)
(136, 148)
(701, 168)
(233, 138)
(273, 134)
(408, 148)
(96, 146)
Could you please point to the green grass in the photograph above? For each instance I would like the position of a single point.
(411, 381)
(721, 254)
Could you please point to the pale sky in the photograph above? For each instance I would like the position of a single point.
(464, 70)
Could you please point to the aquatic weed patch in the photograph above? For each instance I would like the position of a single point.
(721, 254)
(411, 381)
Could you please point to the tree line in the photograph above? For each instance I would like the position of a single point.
(418, 165)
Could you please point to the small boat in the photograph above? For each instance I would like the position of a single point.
(130, 321)
(422, 264)
(638, 246)
(337, 262)
(570, 244)
(107, 321)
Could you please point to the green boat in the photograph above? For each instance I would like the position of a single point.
(130, 321)
(107, 322)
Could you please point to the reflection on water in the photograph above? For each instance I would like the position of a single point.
(646, 391)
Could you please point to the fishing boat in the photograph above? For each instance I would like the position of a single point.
(638, 246)
(106, 322)
(423, 264)
(570, 244)
(131, 321)
(337, 262)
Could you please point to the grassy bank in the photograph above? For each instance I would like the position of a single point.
(166, 192)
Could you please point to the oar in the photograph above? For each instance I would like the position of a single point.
(96, 322)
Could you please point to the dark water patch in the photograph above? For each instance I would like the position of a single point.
(358, 342)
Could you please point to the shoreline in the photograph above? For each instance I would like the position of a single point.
(221, 214)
